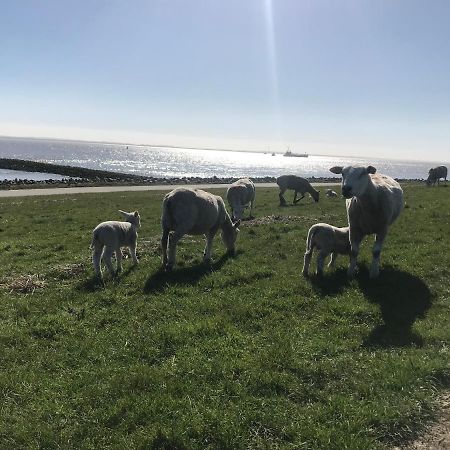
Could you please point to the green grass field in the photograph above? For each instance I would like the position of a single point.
(244, 353)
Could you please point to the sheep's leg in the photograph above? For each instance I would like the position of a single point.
(107, 254)
(282, 199)
(376, 251)
(320, 262)
(118, 253)
(333, 259)
(354, 243)
(306, 262)
(251, 207)
(296, 200)
(174, 237)
(164, 239)
(208, 248)
(96, 257)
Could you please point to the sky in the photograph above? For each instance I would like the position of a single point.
(338, 77)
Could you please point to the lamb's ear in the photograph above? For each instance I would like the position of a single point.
(371, 169)
(236, 224)
(336, 169)
(124, 214)
(136, 214)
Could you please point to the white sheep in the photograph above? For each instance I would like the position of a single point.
(109, 237)
(240, 194)
(194, 212)
(326, 239)
(298, 185)
(331, 193)
(373, 203)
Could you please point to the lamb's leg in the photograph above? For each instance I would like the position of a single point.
(333, 259)
(118, 253)
(164, 238)
(96, 257)
(107, 254)
(251, 207)
(174, 237)
(320, 262)
(208, 248)
(376, 251)
(306, 262)
(133, 253)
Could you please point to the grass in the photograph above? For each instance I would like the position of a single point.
(244, 353)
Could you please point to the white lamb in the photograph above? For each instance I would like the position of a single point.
(331, 193)
(194, 212)
(373, 203)
(109, 237)
(240, 194)
(326, 239)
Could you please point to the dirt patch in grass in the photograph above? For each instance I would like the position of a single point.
(437, 436)
(69, 271)
(23, 284)
(272, 219)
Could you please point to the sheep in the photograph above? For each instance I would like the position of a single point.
(298, 184)
(374, 201)
(194, 212)
(239, 195)
(435, 174)
(331, 193)
(109, 237)
(326, 239)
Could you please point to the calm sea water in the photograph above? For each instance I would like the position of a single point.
(170, 162)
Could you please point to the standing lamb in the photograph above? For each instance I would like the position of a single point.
(373, 203)
(109, 237)
(239, 195)
(326, 239)
(298, 185)
(331, 193)
(435, 174)
(194, 212)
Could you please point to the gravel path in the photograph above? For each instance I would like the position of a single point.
(99, 189)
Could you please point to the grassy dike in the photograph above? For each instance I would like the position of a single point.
(243, 354)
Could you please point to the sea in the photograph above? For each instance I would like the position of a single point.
(168, 162)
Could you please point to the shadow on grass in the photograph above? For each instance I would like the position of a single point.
(187, 276)
(95, 283)
(331, 283)
(403, 298)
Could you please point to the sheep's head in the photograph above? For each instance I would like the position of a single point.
(355, 179)
(237, 211)
(230, 232)
(132, 217)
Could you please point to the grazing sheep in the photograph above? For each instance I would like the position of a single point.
(326, 239)
(331, 193)
(194, 212)
(435, 174)
(109, 237)
(239, 195)
(373, 203)
(297, 184)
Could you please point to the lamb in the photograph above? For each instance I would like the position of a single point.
(109, 237)
(298, 184)
(194, 212)
(331, 193)
(374, 201)
(435, 174)
(326, 239)
(239, 195)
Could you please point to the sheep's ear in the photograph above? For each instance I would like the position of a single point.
(125, 214)
(336, 169)
(371, 169)
(236, 224)
(136, 214)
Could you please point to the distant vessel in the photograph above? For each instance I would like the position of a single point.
(295, 155)
(273, 154)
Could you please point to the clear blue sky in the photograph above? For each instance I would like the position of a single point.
(357, 77)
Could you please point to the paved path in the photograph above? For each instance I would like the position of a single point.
(100, 189)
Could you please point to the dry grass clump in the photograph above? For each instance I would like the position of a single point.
(23, 284)
(67, 271)
(272, 219)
